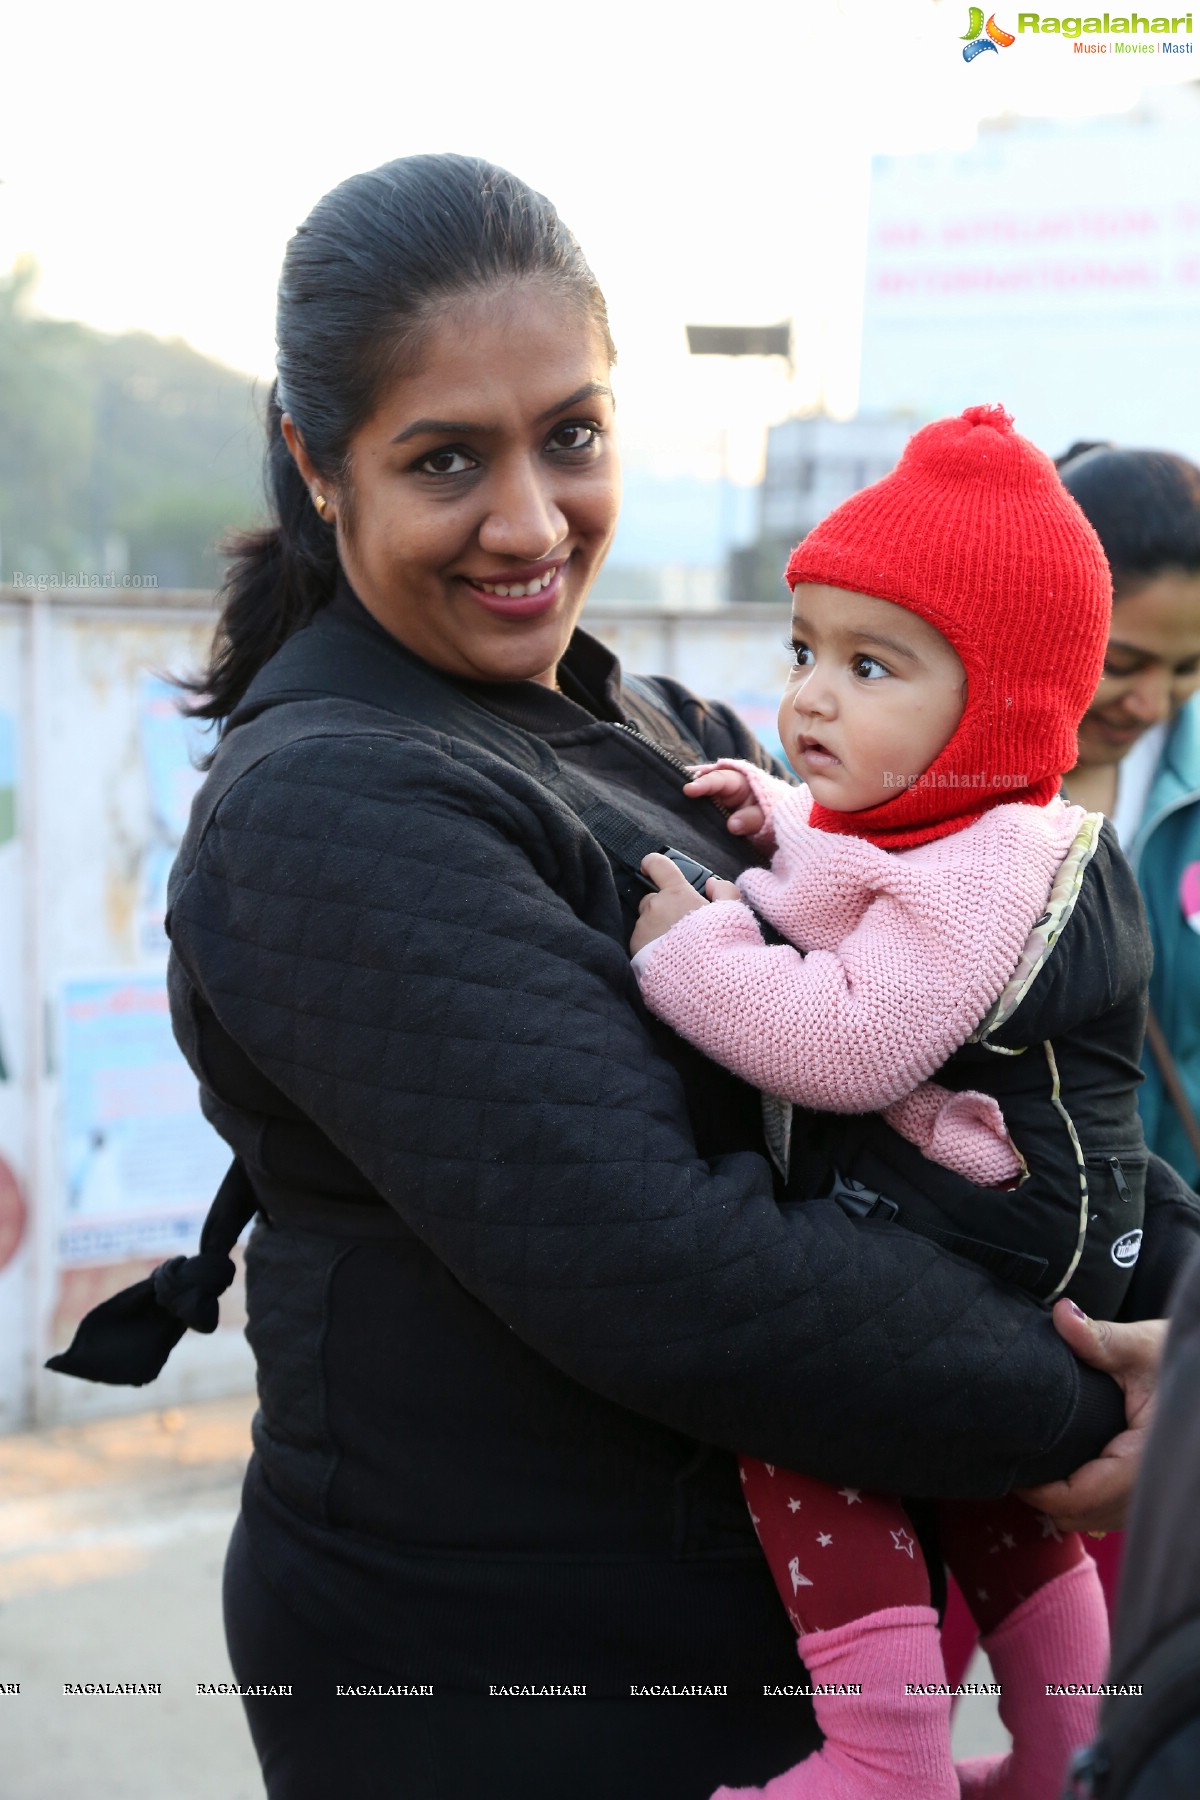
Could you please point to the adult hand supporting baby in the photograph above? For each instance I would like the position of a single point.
(1096, 1497)
(675, 897)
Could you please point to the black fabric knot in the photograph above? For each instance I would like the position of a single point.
(190, 1287)
(126, 1340)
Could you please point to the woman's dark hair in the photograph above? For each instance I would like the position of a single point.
(362, 279)
(1144, 506)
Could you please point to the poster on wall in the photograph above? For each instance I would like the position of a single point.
(140, 1162)
(171, 745)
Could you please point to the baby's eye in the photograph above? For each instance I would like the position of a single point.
(869, 668)
(446, 462)
(803, 656)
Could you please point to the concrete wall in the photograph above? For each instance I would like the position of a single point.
(106, 1166)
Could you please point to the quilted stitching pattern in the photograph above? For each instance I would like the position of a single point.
(371, 920)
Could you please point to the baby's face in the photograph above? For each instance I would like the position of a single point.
(875, 695)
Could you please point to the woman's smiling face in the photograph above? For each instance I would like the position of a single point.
(1152, 666)
(481, 496)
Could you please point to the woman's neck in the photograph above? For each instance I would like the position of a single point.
(1093, 786)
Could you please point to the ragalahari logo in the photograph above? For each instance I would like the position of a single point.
(974, 41)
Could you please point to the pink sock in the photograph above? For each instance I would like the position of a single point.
(880, 1744)
(1059, 1636)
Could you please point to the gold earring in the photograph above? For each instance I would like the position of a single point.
(320, 502)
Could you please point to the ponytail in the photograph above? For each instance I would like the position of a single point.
(279, 576)
(363, 277)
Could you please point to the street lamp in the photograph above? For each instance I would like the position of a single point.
(742, 340)
(737, 340)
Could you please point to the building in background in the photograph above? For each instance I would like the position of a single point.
(1055, 267)
(812, 465)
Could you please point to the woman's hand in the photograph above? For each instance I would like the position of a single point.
(731, 788)
(1096, 1497)
(675, 897)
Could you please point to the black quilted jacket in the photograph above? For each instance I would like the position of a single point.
(521, 1285)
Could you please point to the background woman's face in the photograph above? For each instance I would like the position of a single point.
(1151, 667)
(485, 487)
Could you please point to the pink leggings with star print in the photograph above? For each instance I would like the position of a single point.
(838, 1554)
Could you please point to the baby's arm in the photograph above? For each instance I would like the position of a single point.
(849, 1029)
(964, 1131)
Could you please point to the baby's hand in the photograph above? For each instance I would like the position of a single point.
(729, 787)
(675, 897)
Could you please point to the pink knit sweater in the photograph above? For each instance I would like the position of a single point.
(905, 952)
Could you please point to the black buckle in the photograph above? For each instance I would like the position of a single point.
(693, 872)
(858, 1201)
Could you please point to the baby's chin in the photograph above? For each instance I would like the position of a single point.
(839, 795)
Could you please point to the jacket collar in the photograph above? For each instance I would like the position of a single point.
(1178, 773)
(1177, 779)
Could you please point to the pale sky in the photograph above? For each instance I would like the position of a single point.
(712, 159)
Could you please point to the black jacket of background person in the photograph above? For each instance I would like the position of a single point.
(498, 1411)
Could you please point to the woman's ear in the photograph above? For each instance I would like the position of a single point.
(300, 456)
(303, 461)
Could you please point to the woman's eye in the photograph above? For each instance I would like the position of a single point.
(577, 436)
(447, 462)
(869, 668)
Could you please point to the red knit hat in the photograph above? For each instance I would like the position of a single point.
(974, 532)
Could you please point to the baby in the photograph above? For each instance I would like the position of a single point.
(932, 907)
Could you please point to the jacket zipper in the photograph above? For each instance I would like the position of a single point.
(668, 756)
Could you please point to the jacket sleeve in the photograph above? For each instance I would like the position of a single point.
(816, 1028)
(427, 959)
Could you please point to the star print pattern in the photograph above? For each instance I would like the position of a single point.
(1001, 1551)
(796, 1516)
(876, 1558)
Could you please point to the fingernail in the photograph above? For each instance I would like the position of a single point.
(1077, 1310)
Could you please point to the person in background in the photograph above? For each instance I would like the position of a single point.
(1139, 762)
(1139, 750)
